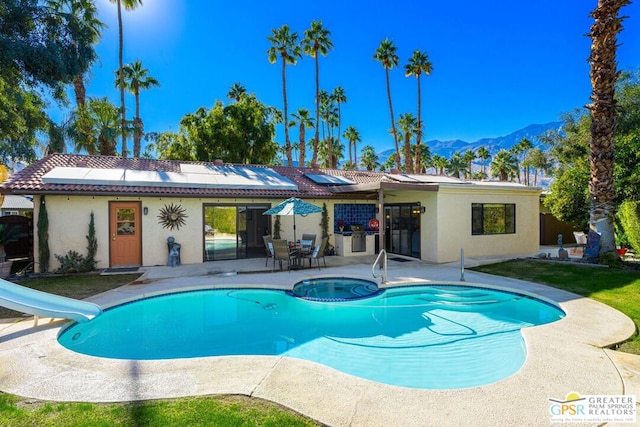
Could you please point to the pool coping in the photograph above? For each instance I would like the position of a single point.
(564, 356)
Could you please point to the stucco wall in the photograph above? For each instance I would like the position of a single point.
(69, 224)
(454, 223)
(445, 226)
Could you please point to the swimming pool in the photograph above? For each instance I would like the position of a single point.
(419, 336)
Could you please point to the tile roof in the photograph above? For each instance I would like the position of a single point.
(16, 202)
(29, 180)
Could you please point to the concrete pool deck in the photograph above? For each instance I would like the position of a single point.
(563, 357)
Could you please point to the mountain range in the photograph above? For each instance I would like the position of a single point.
(447, 148)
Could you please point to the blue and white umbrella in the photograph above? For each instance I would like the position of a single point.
(293, 206)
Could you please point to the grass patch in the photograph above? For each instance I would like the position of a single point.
(203, 411)
(77, 286)
(616, 287)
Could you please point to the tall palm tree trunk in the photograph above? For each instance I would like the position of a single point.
(302, 144)
(355, 154)
(138, 126)
(393, 122)
(316, 140)
(287, 143)
(79, 90)
(338, 138)
(330, 144)
(121, 78)
(418, 153)
(603, 75)
(407, 153)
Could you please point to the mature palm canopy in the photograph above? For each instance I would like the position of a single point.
(418, 64)
(43, 46)
(303, 120)
(285, 46)
(137, 78)
(387, 55)
(128, 5)
(317, 42)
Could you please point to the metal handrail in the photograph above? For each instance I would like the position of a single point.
(384, 267)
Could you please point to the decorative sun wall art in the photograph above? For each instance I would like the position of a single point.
(172, 216)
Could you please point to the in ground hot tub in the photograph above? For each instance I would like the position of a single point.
(335, 289)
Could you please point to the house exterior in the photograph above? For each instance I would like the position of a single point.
(215, 210)
(16, 205)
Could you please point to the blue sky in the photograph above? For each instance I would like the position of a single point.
(498, 65)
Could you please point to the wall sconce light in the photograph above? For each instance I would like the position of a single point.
(145, 210)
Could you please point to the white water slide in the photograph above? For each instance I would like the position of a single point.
(27, 300)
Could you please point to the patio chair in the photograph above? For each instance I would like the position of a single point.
(306, 248)
(281, 253)
(581, 241)
(311, 237)
(318, 252)
(268, 248)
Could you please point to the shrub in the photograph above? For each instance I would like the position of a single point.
(629, 216)
(73, 262)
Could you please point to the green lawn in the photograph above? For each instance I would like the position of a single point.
(205, 411)
(616, 287)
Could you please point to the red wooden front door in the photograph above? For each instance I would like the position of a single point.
(125, 234)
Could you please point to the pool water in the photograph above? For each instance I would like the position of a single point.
(426, 336)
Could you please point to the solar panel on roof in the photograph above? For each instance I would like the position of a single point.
(425, 179)
(191, 176)
(323, 179)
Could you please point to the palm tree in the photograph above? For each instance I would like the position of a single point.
(407, 124)
(236, 91)
(603, 73)
(387, 55)
(316, 41)
(469, 156)
(519, 148)
(303, 121)
(538, 161)
(353, 136)
(128, 5)
(484, 155)
(503, 165)
(418, 63)
(284, 45)
(456, 165)
(85, 13)
(425, 158)
(100, 117)
(339, 97)
(369, 158)
(439, 163)
(137, 78)
(323, 152)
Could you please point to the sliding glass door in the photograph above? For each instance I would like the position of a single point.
(234, 231)
(402, 229)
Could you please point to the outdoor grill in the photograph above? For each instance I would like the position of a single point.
(358, 238)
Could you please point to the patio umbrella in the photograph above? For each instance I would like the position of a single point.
(293, 206)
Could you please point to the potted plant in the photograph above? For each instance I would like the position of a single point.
(8, 234)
